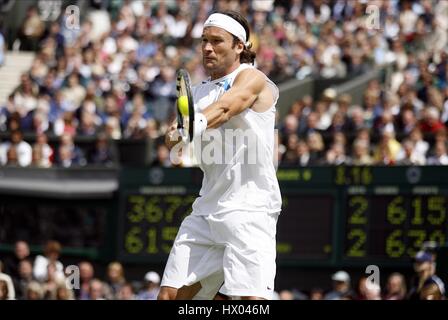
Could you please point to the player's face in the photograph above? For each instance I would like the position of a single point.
(219, 54)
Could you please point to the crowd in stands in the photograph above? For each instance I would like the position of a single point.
(402, 121)
(44, 277)
(114, 77)
(24, 276)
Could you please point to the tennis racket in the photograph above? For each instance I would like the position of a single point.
(185, 105)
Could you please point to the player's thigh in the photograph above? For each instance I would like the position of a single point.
(249, 258)
(210, 286)
(194, 255)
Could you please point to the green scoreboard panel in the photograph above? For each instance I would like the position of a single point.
(149, 224)
(330, 215)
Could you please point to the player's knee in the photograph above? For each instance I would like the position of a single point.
(167, 294)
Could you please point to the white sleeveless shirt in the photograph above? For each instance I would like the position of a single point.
(242, 175)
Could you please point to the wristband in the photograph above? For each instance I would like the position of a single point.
(200, 124)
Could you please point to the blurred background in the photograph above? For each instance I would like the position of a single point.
(87, 89)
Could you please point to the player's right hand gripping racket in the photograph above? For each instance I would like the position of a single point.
(185, 105)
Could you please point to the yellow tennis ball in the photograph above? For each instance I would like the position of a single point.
(182, 104)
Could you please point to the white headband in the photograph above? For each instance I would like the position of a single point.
(229, 24)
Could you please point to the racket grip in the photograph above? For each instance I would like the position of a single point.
(184, 135)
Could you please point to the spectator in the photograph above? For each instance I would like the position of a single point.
(52, 251)
(9, 292)
(440, 156)
(395, 287)
(421, 147)
(151, 286)
(291, 156)
(408, 156)
(21, 253)
(4, 293)
(97, 290)
(53, 281)
(341, 286)
(290, 126)
(431, 122)
(162, 157)
(31, 30)
(43, 154)
(336, 155)
(126, 292)
(316, 294)
(368, 290)
(431, 292)
(426, 282)
(22, 150)
(387, 151)
(104, 153)
(115, 278)
(286, 295)
(69, 154)
(66, 124)
(361, 156)
(34, 291)
(86, 274)
(164, 91)
(24, 278)
(304, 157)
(63, 293)
(316, 145)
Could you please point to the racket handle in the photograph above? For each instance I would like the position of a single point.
(184, 135)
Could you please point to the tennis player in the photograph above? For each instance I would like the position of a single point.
(228, 243)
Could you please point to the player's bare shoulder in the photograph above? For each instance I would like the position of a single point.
(266, 90)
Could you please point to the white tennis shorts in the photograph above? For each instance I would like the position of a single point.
(232, 252)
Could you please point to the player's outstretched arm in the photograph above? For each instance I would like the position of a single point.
(245, 90)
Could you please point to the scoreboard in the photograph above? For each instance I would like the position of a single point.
(150, 224)
(330, 215)
(392, 226)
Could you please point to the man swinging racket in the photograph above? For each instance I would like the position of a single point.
(228, 243)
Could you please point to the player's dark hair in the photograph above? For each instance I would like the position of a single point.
(247, 56)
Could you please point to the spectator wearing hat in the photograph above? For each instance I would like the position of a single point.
(151, 286)
(341, 286)
(426, 281)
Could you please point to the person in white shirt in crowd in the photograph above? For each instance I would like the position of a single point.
(440, 156)
(51, 255)
(22, 148)
(8, 284)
